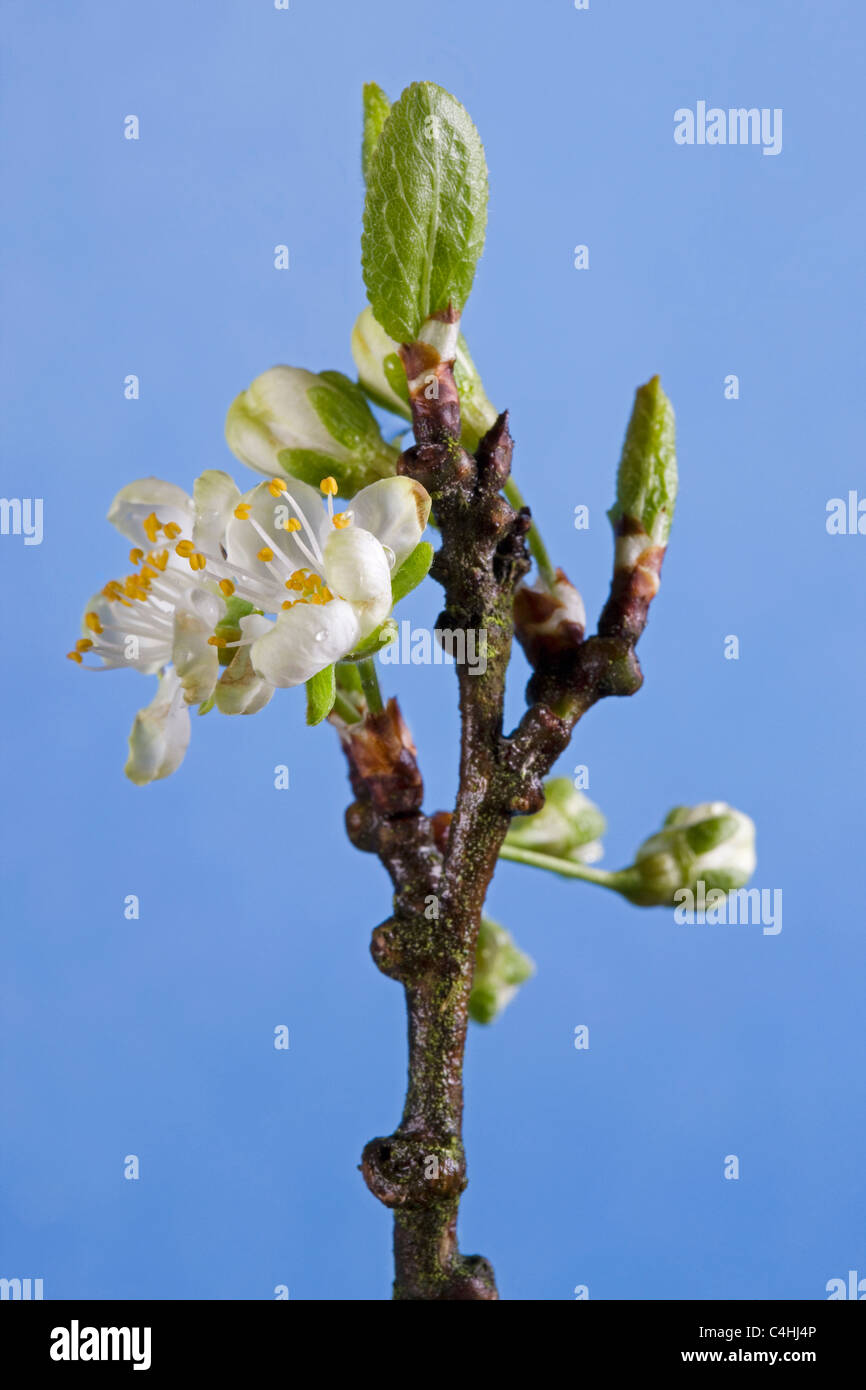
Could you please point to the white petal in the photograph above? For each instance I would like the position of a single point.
(159, 735)
(240, 689)
(373, 612)
(137, 500)
(255, 625)
(396, 511)
(115, 645)
(356, 566)
(304, 640)
(243, 541)
(195, 660)
(215, 496)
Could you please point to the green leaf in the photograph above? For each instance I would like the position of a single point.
(425, 212)
(376, 108)
(646, 484)
(321, 694)
(413, 569)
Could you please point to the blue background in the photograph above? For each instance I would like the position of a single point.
(155, 1036)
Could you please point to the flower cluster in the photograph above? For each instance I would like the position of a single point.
(231, 595)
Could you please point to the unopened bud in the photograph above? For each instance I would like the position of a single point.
(499, 968)
(568, 826)
(308, 425)
(646, 483)
(711, 843)
(646, 491)
(383, 377)
(549, 619)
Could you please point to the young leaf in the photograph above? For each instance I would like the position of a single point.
(425, 212)
(646, 484)
(321, 694)
(411, 572)
(376, 108)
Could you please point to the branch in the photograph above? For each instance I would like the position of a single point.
(441, 868)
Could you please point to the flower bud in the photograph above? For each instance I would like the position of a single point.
(646, 491)
(310, 426)
(568, 826)
(549, 619)
(499, 968)
(710, 843)
(646, 483)
(382, 375)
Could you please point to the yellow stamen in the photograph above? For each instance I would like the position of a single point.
(73, 656)
(158, 558)
(83, 644)
(171, 530)
(227, 587)
(217, 641)
(276, 487)
(151, 527)
(242, 511)
(289, 603)
(292, 524)
(92, 621)
(184, 549)
(197, 561)
(329, 487)
(265, 554)
(136, 555)
(342, 520)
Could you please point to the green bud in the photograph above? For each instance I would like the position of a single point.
(310, 426)
(499, 968)
(568, 826)
(646, 484)
(711, 843)
(380, 372)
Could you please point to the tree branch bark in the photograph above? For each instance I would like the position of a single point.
(441, 867)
